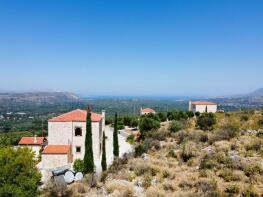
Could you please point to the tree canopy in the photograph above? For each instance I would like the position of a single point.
(18, 173)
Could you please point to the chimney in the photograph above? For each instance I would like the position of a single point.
(35, 139)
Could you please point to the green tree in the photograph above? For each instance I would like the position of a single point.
(88, 157)
(162, 116)
(206, 121)
(197, 114)
(103, 158)
(115, 137)
(18, 173)
(134, 122)
(78, 165)
(147, 124)
(190, 114)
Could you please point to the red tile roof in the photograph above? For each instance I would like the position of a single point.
(203, 103)
(148, 110)
(77, 115)
(31, 141)
(56, 149)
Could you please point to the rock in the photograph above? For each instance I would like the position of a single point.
(154, 182)
(145, 157)
(209, 150)
(138, 183)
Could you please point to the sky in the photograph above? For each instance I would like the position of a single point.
(132, 47)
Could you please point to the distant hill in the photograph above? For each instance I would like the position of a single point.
(38, 97)
(256, 93)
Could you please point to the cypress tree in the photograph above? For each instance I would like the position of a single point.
(103, 158)
(115, 138)
(88, 157)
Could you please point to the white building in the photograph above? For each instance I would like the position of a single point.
(35, 143)
(146, 111)
(66, 138)
(202, 107)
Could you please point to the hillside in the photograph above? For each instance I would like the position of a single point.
(256, 93)
(37, 97)
(226, 160)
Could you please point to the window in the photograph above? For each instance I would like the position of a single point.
(78, 131)
(78, 149)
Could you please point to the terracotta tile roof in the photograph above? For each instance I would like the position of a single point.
(77, 115)
(31, 141)
(148, 110)
(203, 103)
(56, 149)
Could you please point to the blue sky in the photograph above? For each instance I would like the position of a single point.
(132, 47)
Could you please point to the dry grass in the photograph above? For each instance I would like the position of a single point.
(118, 188)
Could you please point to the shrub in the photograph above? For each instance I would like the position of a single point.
(207, 162)
(250, 192)
(147, 124)
(180, 136)
(162, 116)
(206, 121)
(78, 165)
(117, 164)
(175, 126)
(260, 123)
(147, 179)
(172, 153)
(158, 135)
(198, 136)
(228, 175)
(252, 169)
(225, 134)
(208, 187)
(255, 145)
(188, 151)
(51, 189)
(131, 139)
(108, 120)
(147, 144)
(154, 192)
(244, 118)
(232, 189)
(120, 188)
(190, 114)
(177, 115)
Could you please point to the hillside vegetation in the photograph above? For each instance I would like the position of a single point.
(180, 159)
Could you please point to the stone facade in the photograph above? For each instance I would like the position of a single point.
(70, 129)
(61, 133)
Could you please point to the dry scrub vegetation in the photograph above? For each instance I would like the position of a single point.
(189, 162)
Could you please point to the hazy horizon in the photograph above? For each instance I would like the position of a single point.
(132, 48)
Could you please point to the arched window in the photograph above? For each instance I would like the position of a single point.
(78, 131)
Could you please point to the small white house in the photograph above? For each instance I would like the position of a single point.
(202, 107)
(146, 111)
(35, 143)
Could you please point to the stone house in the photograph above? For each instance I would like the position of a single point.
(35, 143)
(66, 138)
